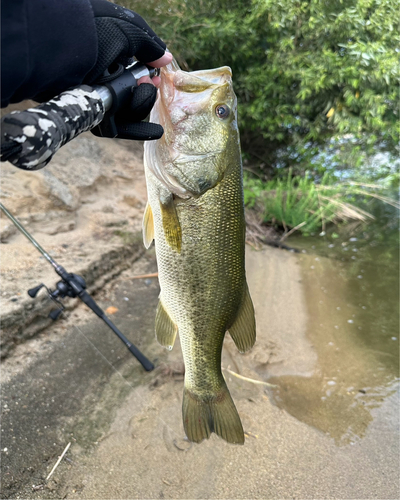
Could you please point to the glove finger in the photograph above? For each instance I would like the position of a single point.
(119, 42)
(141, 44)
(137, 31)
(139, 131)
(108, 51)
(143, 99)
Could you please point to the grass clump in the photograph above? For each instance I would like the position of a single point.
(299, 202)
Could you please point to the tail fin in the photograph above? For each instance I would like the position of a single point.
(218, 414)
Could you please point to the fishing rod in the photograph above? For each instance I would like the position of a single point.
(73, 285)
(30, 138)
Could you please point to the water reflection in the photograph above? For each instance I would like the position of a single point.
(352, 294)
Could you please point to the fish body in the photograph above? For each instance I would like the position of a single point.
(195, 214)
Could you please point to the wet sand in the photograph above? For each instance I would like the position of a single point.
(125, 426)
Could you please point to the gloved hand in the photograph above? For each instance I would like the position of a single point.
(121, 35)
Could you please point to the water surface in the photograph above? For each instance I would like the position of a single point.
(351, 281)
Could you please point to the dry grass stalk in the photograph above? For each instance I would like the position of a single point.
(346, 211)
(58, 461)
(247, 379)
(292, 230)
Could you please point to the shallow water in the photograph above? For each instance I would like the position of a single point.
(351, 282)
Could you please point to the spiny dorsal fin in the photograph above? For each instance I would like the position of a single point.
(243, 330)
(166, 329)
(171, 225)
(148, 226)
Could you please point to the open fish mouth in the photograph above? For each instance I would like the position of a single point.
(187, 159)
(183, 94)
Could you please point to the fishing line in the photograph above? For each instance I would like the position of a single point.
(123, 378)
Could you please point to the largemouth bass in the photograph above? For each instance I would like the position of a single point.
(195, 214)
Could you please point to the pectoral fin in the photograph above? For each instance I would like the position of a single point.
(171, 225)
(148, 226)
(243, 330)
(166, 329)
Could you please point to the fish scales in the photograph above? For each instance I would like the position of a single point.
(201, 266)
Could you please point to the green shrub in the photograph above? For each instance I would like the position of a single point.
(300, 202)
(304, 71)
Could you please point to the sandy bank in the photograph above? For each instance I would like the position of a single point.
(125, 426)
(313, 436)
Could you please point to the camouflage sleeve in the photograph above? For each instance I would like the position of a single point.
(40, 132)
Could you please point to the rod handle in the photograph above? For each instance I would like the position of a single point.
(147, 364)
(30, 138)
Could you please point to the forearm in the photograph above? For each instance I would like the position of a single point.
(47, 45)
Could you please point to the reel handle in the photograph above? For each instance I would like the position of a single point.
(32, 292)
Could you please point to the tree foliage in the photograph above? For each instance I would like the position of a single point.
(304, 71)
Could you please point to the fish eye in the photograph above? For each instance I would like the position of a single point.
(222, 111)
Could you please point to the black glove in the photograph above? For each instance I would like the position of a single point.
(121, 35)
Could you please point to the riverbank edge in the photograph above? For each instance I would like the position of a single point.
(27, 318)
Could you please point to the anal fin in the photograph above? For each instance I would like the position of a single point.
(243, 330)
(171, 225)
(148, 226)
(166, 329)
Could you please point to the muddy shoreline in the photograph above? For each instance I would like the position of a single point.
(125, 428)
(329, 429)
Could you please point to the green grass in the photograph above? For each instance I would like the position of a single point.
(299, 202)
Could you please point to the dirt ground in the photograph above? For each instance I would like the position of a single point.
(85, 208)
(76, 383)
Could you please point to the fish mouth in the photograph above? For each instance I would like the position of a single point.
(184, 169)
(196, 81)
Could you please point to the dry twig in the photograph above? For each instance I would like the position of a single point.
(247, 379)
(292, 231)
(58, 461)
